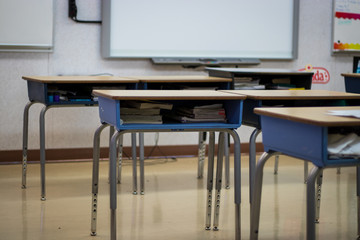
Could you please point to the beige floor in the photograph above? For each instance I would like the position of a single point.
(173, 206)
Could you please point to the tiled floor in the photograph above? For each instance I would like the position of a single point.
(173, 206)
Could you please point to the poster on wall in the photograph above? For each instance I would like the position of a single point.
(346, 25)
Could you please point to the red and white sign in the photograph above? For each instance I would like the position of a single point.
(321, 75)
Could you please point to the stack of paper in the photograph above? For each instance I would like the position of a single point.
(204, 113)
(247, 83)
(136, 112)
(344, 146)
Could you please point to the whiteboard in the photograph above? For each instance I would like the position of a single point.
(346, 26)
(26, 25)
(200, 28)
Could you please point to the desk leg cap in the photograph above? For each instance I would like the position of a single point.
(93, 233)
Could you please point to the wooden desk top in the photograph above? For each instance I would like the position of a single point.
(180, 79)
(311, 115)
(80, 79)
(167, 95)
(261, 71)
(293, 94)
(356, 75)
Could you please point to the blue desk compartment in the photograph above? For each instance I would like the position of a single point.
(249, 118)
(37, 91)
(305, 141)
(110, 112)
(352, 84)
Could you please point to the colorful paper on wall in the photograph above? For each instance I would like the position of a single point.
(346, 32)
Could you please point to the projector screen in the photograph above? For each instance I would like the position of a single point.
(200, 29)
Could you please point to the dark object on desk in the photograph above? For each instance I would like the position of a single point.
(356, 65)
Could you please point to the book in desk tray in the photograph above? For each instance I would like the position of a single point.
(280, 86)
(213, 110)
(184, 119)
(141, 119)
(136, 111)
(149, 104)
(205, 113)
(248, 86)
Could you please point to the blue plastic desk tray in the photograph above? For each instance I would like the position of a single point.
(305, 141)
(110, 113)
(40, 92)
(352, 84)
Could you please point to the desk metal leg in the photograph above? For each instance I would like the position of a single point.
(318, 195)
(310, 207)
(42, 150)
(201, 153)
(252, 160)
(358, 198)
(276, 165)
(237, 182)
(119, 157)
(95, 178)
(255, 204)
(219, 164)
(227, 160)
(25, 142)
(113, 190)
(142, 158)
(306, 171)
(306, 167)
(119, 154)
(133, 148)
(210, 179)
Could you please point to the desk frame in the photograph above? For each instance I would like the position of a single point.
(310, 144)
(259, 98)
(110, 113)
(38, 88)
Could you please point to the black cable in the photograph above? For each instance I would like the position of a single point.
(85, 21)
(73, 14)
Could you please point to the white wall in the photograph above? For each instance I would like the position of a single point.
(77, 52)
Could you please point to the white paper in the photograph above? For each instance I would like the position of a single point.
(345, 113)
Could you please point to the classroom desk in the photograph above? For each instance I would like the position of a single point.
(47, 89)
(285, 98)
(110, 113)
(352, 82)
(271, 78)
(302, 132)
(182, 82)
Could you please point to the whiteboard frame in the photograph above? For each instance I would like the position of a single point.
(47, 48)
(106, 41)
